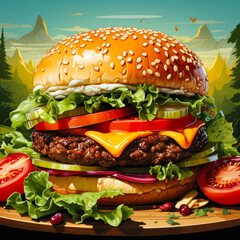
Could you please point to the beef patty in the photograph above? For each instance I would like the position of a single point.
(144, 151)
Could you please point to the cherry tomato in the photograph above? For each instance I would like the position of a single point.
(220, 180)
(134, 124)
(86, 120)
(13, 170)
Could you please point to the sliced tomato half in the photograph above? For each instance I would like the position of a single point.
(13, 170)
(220, 180)
(86, 120)
(135, 124)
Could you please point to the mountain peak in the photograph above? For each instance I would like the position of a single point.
(204, 33)
(39, 34)
(17, 56)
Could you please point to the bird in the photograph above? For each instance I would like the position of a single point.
(141, 20)
(193, 20)
(176, 29)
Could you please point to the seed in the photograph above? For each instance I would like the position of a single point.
(175, 68)
(144, 54)
(149, 71)
(74, 51)
(144, 73)
(105, 51)
(43, 69)
(180, 75)
(65, 70)
(169, 76)
(166, 54)
(139, 66)
(129, 59)
(65, 62)
(122, 62)
(165, 67)
(139, 59)
(157, 74)
(184, 58)
(156, 50)
(131, 52)
(145, 44)
(124, 53)
(83, 45)
(168, 62)
(112, 65)
(187, 68)
(96, 68)
(157, 60)
(135, 37)
(81, 66)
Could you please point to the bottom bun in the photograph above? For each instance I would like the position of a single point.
(134, 193)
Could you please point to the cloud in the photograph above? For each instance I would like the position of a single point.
(200, 22)
(11, 25)
(10, 35)
(129, 16)
(183, 38)
(75, 14)
(59, 37)
(74, 29)
(217, 30)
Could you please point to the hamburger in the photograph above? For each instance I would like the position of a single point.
(121, 108)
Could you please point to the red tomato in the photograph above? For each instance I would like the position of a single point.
(13, 170)
(86, 120)
(220, 180)
(134, 124)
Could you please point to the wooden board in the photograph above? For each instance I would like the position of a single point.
(146, 221)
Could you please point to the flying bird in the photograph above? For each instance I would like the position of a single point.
(141, 20)
(193, 20)
(176, 29)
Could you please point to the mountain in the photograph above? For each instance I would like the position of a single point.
(204, 40)
(25, 71)
(38, 35)
(217, 74)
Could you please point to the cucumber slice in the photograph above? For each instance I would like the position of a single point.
(194, 162)
(30, 124)
(35, 113)
(48, 163)
(172, 111)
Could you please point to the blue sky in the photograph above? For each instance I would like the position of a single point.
(221, 16)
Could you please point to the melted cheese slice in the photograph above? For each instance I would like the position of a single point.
(184, 137)
(115, 142)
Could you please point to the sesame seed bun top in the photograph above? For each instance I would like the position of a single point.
(122, 55)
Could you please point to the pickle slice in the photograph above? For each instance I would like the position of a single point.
(199, 161)
(172, 111)
(35, 113)
(30, 124)
(50, 164)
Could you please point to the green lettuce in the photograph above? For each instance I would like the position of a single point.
(12, 141)
(145, 99)
(41, 201)
(170, 170)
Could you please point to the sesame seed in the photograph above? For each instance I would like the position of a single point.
(139, 59)
(145, 36)
(168, 62)
(65, 62)
(157, 74)
(129, 59)
(153, 63)
(122, 62)
(119, 57)
(103, 45)
(65, 70)
(175, 68)
(114, 37)
(187, 68)
(139, 66)
(180, 75)
(83, 45)
(149, 71)
(156, 50)
(187, 80)
(157, 60)
(164, 39)
(144, 54)
(166, 54)
(43, 69)
(124, 71)
(124, 53)
(131, 52)
(151, 42)
(76, 41)
(71, 46)
(168, 45)
(158, 44)
(74, 51)
(165, 48)
(59, 51)
(175, 51)
(145, 44)
(184, 58)
(153, 38)
(165, 67)
(112, 65)
(96, 68)
(125, 80)
(169, 76)
(108, 45)
(104, 38)
(176, 57)
(57, 48)
(105, 51)
(81, 66)
(144, 73)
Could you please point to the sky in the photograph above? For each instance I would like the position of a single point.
(62, 17)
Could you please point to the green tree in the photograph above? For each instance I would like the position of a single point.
(5, 68)
(234, 116)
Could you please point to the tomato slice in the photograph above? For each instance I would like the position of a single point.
(220, 180)
(13, 170)
(86, 120)
(135, 124)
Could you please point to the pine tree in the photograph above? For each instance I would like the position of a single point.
(234, 116)
(5, 68)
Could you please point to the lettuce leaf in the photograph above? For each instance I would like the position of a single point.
(170, 170)
(146, 100)
(12, 141)
(41, 201)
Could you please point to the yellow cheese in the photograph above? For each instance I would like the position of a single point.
(116, 141)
